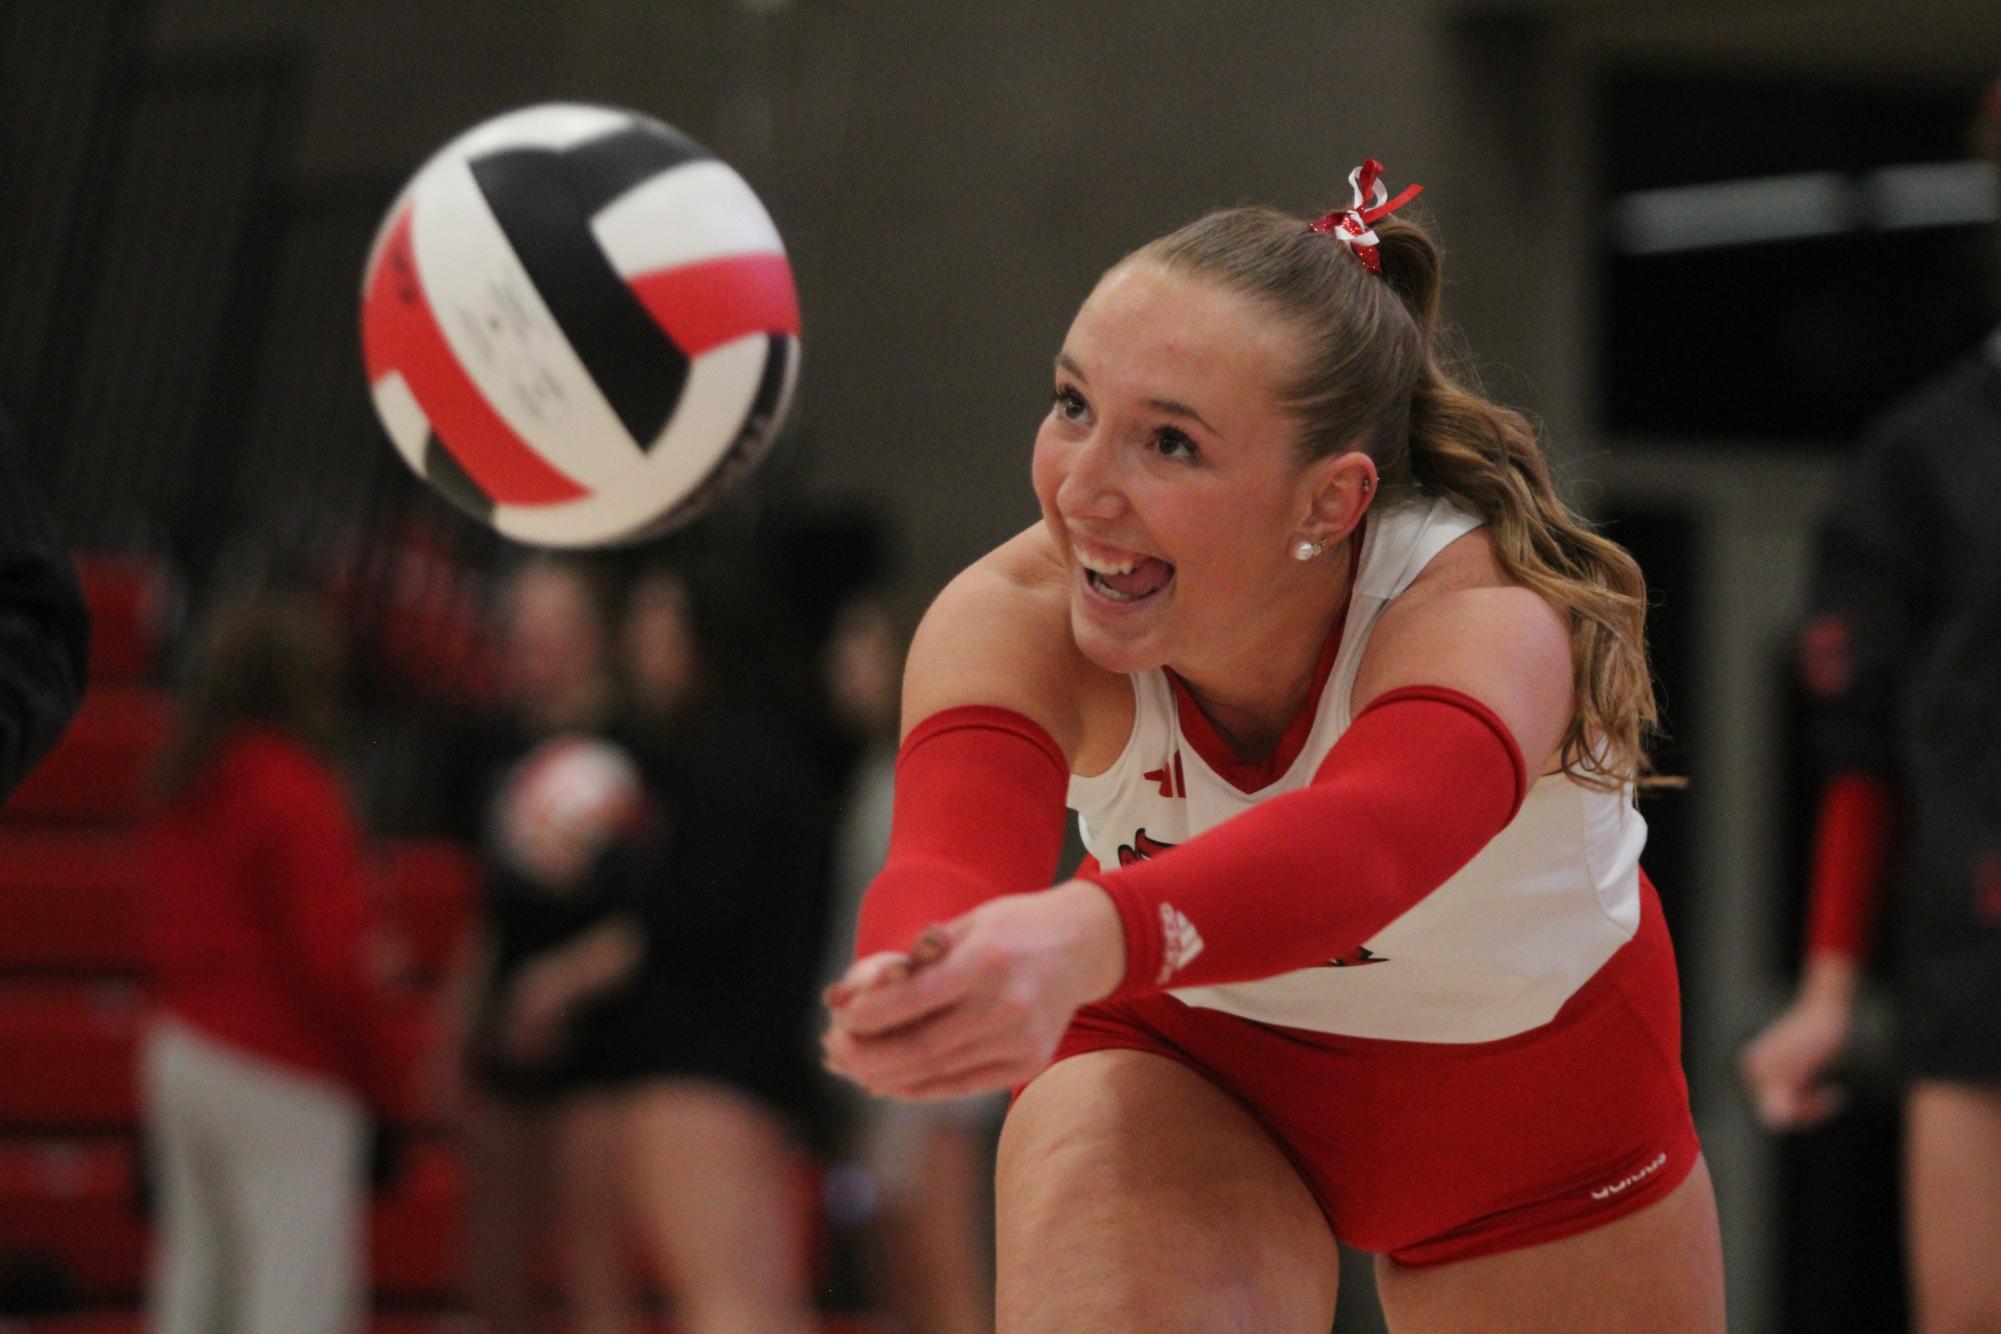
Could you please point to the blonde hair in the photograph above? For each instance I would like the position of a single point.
(1371, 377)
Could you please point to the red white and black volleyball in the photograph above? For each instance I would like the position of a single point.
(579, 325)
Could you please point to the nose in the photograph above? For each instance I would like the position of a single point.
(1092, 486)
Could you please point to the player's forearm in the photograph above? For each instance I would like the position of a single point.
(1831, 980)
(1854, 836)
(594, 962)
(979, 813)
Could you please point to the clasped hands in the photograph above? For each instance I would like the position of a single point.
(979, 1002)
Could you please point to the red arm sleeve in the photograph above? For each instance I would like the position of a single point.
(1417, 785)
(978, 813)
(1853, 839)
(326, 921)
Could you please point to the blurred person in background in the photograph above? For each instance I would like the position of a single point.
(718, 1017)
(273, 1031)
(44, 629)
(931, 1258)
(1898, 659)
(526, 1049)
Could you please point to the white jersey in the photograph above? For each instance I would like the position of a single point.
(1494, 951)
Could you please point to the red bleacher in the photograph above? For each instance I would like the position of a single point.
(76, 1201)
(132, 600)
(71, 1010)
(97, 773)
(71, 955)
(69, 900)
(66, 1053)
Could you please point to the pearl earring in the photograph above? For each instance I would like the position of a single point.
(1307, 550)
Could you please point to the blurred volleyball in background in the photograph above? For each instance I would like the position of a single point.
(579, 325)
(563, 804)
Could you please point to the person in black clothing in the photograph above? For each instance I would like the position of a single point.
(718, 1014)
(44, 628)
(530, 1050)
(1901, 660)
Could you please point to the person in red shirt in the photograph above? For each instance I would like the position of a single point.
(273, 1034)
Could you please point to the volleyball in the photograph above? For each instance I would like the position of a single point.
(579, 325)
(562, 804)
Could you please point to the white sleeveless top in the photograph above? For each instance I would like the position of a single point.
(1494, 951)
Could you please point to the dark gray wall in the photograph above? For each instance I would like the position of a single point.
(952, 178)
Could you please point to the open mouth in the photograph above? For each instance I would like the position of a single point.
(1135, 579)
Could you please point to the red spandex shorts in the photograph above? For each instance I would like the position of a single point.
(1433, 1152)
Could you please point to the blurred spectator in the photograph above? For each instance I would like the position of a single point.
(1898, 659)
(272, 1033)
(720, 1009)
(44, 629)
(931, 1258)
(528, 1047)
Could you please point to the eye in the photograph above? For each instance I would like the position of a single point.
(1174, 444)
(1068, 403)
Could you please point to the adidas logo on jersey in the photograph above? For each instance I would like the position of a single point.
(1181, 941)
(1168, 775)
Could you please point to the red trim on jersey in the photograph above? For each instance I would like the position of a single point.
(1419, 783)
(1256, 775)
(978, 813)
(701, 306)
(1853, 839)
(399, 332)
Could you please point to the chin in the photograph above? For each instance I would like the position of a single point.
(1120, 654)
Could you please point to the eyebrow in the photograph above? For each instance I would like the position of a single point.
(1172, 407)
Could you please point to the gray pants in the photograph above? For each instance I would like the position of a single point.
(260, 1193)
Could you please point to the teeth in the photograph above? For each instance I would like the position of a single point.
(1108, 591)
(1107, 567)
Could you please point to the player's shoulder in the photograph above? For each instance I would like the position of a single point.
(999, 634)
(1464, 623)
(1020, 581)
(1504, 623)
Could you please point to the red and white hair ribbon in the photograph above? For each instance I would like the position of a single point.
(1372, 200)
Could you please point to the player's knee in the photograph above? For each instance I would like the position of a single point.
(1054, 1157)
(1131, 1196)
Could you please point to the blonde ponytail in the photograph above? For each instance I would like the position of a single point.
(1487, 458)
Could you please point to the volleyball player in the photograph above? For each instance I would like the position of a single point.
(1351, 708)
(1898, 661)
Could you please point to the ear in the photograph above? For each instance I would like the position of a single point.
(1337, 492)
